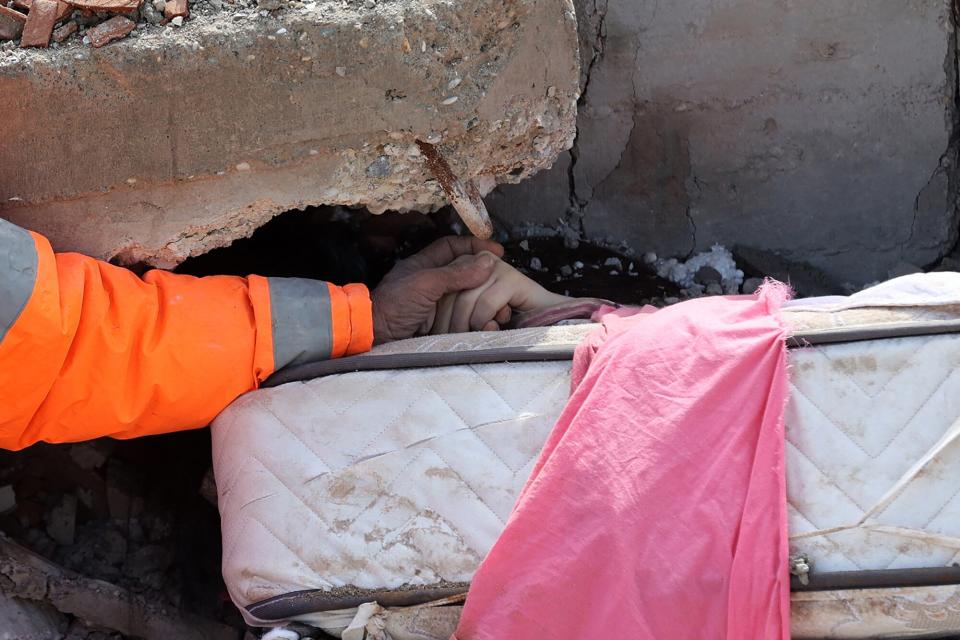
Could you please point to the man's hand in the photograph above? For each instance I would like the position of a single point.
(405, 302)
(489, 306)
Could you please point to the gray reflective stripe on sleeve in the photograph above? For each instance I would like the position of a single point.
(302, 325)
(18, 273)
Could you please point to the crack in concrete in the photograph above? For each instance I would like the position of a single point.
(948, 160)
(598, 45)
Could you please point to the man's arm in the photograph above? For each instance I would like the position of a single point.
(89, 350)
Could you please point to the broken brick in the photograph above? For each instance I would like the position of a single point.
(62, 33)
(113, 6)
(11, 23)
(113, 29)
(176, 8)
(63, 9)
(39, 25)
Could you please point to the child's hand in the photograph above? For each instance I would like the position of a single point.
(490, 306)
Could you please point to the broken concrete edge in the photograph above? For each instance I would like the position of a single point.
(26, 575)
(169, 189)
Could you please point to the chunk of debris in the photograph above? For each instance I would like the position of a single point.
(11, 23)
(39, 25)
(62, 521)
(63, 9)
(64, 31)
(707, 275)
(93, 454)
(176, 9)
(751, 285)
(115, 28)
(126, 7)
(8, 499)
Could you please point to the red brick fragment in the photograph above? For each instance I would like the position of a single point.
(176, 8)
(62, 33)
(113, 29)
(11, 23)
(113, 6)
(39, 26)
(63, 9)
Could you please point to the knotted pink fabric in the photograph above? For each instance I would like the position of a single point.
(657, 509)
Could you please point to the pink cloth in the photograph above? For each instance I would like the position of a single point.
(657, 508)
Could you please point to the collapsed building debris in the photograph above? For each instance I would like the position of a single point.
(335, 97)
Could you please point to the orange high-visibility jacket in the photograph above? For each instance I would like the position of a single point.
(88, 349)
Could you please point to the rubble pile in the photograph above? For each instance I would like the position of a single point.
(42, 23)
(118, 535)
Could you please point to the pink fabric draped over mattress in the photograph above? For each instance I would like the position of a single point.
(657, 508)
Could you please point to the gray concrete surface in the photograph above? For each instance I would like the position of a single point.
(818, 130)
(169, 144)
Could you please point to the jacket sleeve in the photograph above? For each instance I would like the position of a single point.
(88, 349)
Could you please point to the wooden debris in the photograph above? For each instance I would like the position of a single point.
(39, 25)
(111, 6)
(175, 8)
(11, 23)
(113, 29)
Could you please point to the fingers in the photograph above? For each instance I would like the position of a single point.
(466, 272)
(464, 306)
(491, 326)
(489, 306)
(441, 323)
(503, 316)
(445, 250)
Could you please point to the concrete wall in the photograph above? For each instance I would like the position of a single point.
(818, 129)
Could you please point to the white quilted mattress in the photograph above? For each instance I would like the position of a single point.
(394, 479)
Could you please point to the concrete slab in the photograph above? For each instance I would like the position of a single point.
(178, 141)
(818, 130)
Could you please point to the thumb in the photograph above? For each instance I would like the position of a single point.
(466, 272)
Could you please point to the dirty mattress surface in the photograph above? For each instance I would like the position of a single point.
(398, 479)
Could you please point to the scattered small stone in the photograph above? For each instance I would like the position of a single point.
(177, 22)
(39, 25)
(243, 166)
(379, 168)
(671, 300)
(159, 5)
(578, 265)
(269, 5)
(453, 84)
(613, 262)
(450, 100)
(536, 264)
(62, 519)
(8, 499)
(707, 275)
(525, 245)
(649, 257)
(176, 9)
(281, 31)
(341, 71)
(750, 285)
(614, 272)
(115, 28)
(714, 289)
(566, 271)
